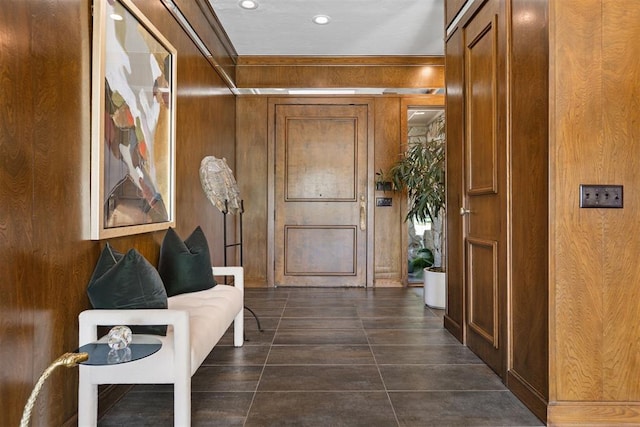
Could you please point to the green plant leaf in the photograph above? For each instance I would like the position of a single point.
(421, 173)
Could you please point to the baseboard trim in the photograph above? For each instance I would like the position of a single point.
(454, 328)
(593, 413)
(527, 394)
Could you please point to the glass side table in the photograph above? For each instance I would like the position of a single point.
(101, 354)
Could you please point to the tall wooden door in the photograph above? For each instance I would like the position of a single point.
(484, 205)
(320, 195)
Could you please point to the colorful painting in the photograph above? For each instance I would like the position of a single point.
(133, 123)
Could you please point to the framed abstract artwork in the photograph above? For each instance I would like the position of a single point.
(132, 123)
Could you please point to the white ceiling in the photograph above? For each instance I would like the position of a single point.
(357, 27)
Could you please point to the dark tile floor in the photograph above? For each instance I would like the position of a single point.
(336, 357)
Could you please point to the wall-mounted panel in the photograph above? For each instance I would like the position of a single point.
(481, 68)
(327, 251)
(482, 285)
(310, 173)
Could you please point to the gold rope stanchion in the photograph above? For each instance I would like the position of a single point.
(68, 360)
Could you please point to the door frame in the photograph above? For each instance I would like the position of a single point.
(271, 155)
(431, 101)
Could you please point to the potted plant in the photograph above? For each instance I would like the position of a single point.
(421, 172)
(383, 181)
(419, 260)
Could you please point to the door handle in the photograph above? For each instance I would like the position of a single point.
(363, 214)
(464, 211)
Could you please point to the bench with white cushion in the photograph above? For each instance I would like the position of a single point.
(196, 322)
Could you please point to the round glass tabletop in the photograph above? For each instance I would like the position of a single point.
(101, 354)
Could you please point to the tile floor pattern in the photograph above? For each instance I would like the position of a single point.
(336, 357)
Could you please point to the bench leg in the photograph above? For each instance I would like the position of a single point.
(238, 330)
(182, 402)
(87, 401)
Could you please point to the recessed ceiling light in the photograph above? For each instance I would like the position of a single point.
(116, 17)
(249, 4)
(321, 19)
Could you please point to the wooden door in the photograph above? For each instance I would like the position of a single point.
(485, 194)
(320, 231)
(454, 318)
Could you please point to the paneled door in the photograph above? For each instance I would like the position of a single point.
(320, 195)
(484, 207)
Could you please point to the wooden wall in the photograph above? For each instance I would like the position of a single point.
(252, 154)
(528, 314)
(591, 268)
(594, 272)
(45, 257)
(389, 228)
(252, 176)
(309, 72)
(525, 33)
(418, 72)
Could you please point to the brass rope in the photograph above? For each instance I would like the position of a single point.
(68, 360)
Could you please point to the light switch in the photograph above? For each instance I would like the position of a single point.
(600, 196)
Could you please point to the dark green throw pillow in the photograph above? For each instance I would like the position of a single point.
(125, 281)
(185, 266)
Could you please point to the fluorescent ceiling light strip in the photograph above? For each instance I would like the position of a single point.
(321, 91)
(187, 27)
(173, 8)
(459, 16)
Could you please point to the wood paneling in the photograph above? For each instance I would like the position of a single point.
(526, 215)
(46, 258)
(43, 179)
(588, 259)
(252, 177)
(388, 220)
(330, 72)
(577, 250)
(621, 132)
(528, 170)
(18, 310)
(594, 275)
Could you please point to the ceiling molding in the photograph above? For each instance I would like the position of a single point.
(340, 72)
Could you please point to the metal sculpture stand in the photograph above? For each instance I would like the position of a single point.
(239, 245)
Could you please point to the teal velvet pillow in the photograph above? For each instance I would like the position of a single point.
(125, 281)
(185, 266)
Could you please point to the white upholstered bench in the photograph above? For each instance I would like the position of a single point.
(196, 322)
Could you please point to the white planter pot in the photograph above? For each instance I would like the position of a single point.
(435, 289)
